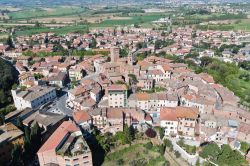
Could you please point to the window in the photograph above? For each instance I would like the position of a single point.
(84, 157)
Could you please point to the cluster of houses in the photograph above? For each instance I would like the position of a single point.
(110, 91)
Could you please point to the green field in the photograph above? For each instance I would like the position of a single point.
(39, 12)
(144, 20)
(243, 25)
(135, 154)
(58, 31)
(140, 19)
(210, 17)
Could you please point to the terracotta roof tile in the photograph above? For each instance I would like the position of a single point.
(117, 87)
(56, 138)
(169, 113)
(81, 116)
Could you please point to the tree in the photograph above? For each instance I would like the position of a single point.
(158, 44)
(177, 154)
(149, 145)
(10, 42)
(16, 156)
(103, 142)
(2, 118)
(168, 143)
(132, 132)
(210, 151)
(162, 149)
(93, 43)
(245, 65)
(140, 45)
(161, 132)
(27, 134)
(230, 157)
(163, 43)
(244, 147)
(120, 162)
(127, 134)
(197, 163)
(123, 52)
(181, 142)
(19, 123)
(35, 137)
(37, 24)
(150, 133)
(27, 144)
(206, 61)
(133, 78)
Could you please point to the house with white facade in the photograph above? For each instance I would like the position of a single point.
(117, 96)
(179, 121)
(33, 97)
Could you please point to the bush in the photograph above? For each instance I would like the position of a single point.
(168, 143)
(120, 162)
(138, 162)
(148, 145)
(150, 133)
(188, 148)
(162, 148)
(166, 163)
(177, 154)
(161, 132)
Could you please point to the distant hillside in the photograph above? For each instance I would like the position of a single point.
(8, 77)
(48, 3)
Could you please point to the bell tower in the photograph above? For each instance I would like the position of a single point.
(130, 55)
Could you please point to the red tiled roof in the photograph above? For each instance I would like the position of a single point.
(114, 113)
(166, 67)
(148, 117)
(81, 116)
(55, 139)
(169, 113)
(206, 77)
(117, 87)
(142, 96)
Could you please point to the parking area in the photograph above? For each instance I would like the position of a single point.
(58, 106)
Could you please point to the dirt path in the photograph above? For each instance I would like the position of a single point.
(170, 159)
(173, 160)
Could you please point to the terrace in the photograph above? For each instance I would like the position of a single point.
(73, 145)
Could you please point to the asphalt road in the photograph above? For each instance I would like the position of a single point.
(59, 105)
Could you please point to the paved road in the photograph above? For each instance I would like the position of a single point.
(59, 105)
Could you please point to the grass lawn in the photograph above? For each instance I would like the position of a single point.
(135, 153)
(239, 86)
(40, 12)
